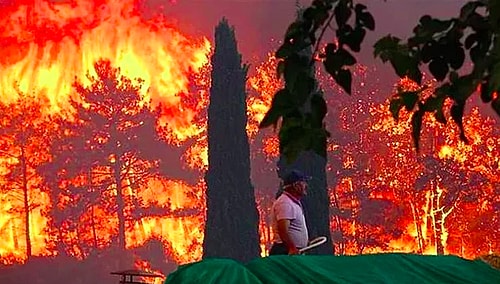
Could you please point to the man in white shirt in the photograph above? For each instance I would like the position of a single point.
(289, 224)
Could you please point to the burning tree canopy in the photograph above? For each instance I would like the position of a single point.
(109, 147)
(24, 142)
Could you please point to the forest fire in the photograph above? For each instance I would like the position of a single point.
(37, 62)
(75, 181)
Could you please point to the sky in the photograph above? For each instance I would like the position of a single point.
(260, 23)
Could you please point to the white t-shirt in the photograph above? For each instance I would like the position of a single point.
(286, 208)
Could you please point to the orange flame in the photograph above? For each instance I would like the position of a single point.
(45, 45)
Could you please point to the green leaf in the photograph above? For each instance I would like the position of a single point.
(416, 123)
(430, 50)
(280, 106)
(457, 113)
(427, 29)
(478, 23)
(319, 109)
(435, 104)
(309, 13)
(468, 9)
(330, 48)
(385, 46)
(410, 98)
(320, 17)
(486, 94)
(368, 21)
(405, 65)
(331, 66)
(355, 38)
(439, 69)
(455, 55)
(364, 18)
(359, 8)
(293, 30)
(395, 106)
(342, 13)
(285, 50)
(345, 57)
(439, 116)
(463, 87)
(337, 59)
(344, 78)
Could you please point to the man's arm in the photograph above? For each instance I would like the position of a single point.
(283, 225)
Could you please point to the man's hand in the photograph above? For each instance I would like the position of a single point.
(293, 250)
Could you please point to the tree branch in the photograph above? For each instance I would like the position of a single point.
(326, 25)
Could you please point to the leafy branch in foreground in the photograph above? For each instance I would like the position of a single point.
(300, 105)
(441, 45)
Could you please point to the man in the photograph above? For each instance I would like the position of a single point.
(289, 224)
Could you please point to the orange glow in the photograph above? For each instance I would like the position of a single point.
(265, 83)
(371, 157)
(45, 47)
(90, 30)
(146, 266)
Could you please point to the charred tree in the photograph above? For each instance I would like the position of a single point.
(113, 142)
(231, 228)
(24, 139)
(316, 203)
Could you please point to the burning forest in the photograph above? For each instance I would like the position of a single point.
(104, 150)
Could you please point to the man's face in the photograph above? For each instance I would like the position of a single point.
(301, 188)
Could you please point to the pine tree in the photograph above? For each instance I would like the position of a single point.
(232, 217)
(24, 139)
(112, 143)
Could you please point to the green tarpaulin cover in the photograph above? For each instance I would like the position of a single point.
(372, 268)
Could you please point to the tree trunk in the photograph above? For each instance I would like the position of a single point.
(418, 228)
(232, 219)
(439, 237)
(94, 233)
(92, 211)
(120, 205)
(27, 210)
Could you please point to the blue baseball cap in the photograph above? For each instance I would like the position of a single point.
(295, 176)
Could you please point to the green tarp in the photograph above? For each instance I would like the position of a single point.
(375, 268)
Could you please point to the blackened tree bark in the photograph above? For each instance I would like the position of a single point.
(231, 228)
(316, 203)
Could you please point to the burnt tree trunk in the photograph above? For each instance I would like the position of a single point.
(27, 209)
(120, 202)
(231, 228)
(418, 227)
